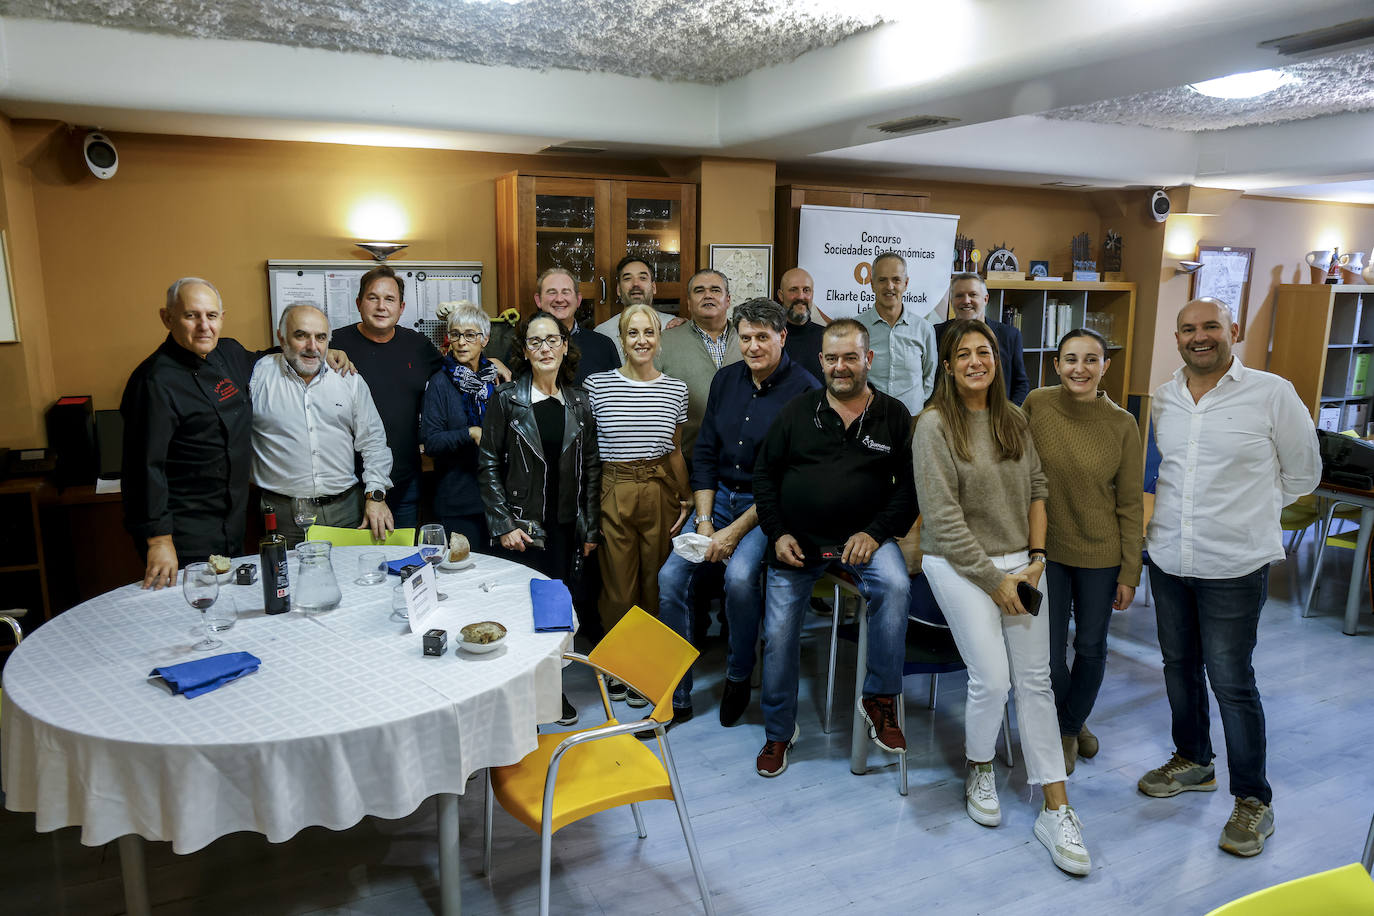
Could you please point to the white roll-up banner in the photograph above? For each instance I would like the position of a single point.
(837, 245)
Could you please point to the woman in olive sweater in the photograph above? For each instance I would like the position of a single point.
(1090, 450)
(982, 495)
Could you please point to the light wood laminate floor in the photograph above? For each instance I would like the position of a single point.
(820, 840)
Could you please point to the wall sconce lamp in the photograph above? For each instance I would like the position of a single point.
(1187, 267)
(381, 250)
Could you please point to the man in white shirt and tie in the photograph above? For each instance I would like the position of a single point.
(308, 421)
(1236, 446)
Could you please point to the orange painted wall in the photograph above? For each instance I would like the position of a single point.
(1281, 232)
(736, 203)
(27, 385)
(219, 209)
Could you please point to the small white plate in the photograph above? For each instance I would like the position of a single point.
(447, 566)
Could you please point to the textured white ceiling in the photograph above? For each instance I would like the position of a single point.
(1329, 85)
(701, 41)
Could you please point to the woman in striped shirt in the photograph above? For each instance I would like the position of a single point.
(644, 490)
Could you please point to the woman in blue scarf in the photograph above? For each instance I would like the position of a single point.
(451, 424)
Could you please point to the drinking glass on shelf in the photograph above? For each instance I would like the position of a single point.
(305, 509)
(559, 252)
(433, 546)
(200, 587)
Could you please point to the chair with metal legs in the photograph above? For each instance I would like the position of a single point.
(572, 775)
(932, 657)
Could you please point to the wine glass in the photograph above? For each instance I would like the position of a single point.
(200, 586)
(305, 509)
(433, 545)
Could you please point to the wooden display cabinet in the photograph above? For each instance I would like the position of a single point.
(1044, 310)
(587, 225)
(1324, 345)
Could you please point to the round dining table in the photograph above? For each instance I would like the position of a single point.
(345, 717)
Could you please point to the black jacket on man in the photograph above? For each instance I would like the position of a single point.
(511, 465)
(822, 483)
(188, 449)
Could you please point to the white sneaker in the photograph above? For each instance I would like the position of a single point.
(1062, 833)
(980, 795)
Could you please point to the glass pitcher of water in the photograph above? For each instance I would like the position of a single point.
(316, 588)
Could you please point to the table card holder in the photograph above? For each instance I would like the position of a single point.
(422, 598)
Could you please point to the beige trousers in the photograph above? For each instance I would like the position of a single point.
(638, 507)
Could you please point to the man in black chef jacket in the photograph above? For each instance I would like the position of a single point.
(187, 438)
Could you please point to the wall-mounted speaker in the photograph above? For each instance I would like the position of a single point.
(100, 154)
(1159, 205)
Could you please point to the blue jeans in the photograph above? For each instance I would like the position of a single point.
(885, 586)
(743, 592)
(1207, 632)
(403, 500)
(1087, 596)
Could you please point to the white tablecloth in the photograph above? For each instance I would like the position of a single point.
(345, 717)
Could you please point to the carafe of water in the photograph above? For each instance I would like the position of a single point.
(316, 589)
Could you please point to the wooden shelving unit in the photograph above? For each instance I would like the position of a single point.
(1320, 334)
(23, 560)
(587, 224)
(1108, 308)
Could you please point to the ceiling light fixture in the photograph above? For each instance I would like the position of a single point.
(1187, 267)
(1243, 85)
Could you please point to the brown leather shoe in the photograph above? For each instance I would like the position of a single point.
(1087, 743)
(1070, 752)
(772, 760)
(881, 715)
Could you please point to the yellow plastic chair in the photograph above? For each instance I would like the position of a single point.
(1298, 516)
(572, 775)
(1345, 891)
(359, 537)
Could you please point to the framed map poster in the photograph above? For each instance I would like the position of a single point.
(1225, 275)
(749, 267)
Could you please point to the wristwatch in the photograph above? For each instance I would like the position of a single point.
(376, 496)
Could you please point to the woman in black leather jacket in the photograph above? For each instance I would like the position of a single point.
(537, 421)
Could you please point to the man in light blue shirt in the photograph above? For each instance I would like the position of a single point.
(905, 357)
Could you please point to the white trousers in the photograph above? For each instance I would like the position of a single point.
(1001, 651)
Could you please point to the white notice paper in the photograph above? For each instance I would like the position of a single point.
(422, 598)
(307, 288)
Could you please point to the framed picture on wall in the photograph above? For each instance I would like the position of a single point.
(9, 320)
(749, 267)
(1225, 275)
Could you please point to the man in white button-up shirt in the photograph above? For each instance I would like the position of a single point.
(308, 421)
(1236, 446)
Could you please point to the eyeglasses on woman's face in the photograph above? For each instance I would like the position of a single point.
(535, 343)
(466, 336)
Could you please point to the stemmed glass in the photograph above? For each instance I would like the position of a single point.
(433, 547)
(305, 509)
(200, 586)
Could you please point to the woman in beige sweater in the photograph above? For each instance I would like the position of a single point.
(1093, 461)
(982, 497)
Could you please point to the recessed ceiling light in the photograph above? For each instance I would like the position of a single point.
(1243, 85)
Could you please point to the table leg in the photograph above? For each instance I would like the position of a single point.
(1353, 596)
(135, 875)
(450, 887)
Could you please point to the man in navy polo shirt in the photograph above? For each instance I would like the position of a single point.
(743, 400)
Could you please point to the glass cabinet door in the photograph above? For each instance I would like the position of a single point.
(656, 222)
(565, 234)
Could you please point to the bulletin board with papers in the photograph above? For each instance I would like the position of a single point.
(333, 286)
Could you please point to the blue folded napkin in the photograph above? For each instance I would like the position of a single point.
(553, 610)
(203, 675)
(397, 565)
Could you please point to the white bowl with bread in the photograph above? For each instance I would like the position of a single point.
(459, 554)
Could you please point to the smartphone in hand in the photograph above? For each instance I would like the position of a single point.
(1030, 597)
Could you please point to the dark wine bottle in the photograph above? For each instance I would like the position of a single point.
(276, 586)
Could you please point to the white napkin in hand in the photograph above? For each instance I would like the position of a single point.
(691, 546)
